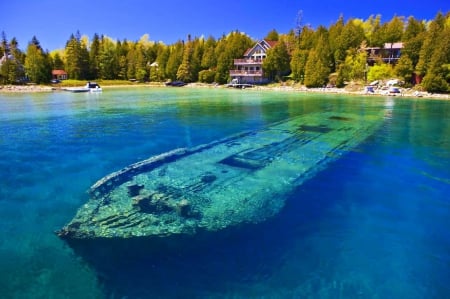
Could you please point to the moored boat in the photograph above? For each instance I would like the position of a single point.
(89, 87)
(239, 179)
(175, 83)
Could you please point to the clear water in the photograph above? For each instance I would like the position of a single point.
(374, 224)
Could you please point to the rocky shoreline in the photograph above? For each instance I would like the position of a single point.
(405, 93)
(25, 88)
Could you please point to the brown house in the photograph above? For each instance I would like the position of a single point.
(59, 75)
(389, 53)
(249, 69)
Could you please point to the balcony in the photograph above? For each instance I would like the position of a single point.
(245, 73)
(248, 62)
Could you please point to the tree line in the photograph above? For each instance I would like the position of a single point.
(314, 57)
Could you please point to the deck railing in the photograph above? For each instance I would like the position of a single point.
(245, 73)
(247, 61)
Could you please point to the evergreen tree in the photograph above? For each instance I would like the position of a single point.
(272, 36)
(56, 61)
(122, 49)
(185, 72)
(336, 41)
(377, 38)
(108, 61)
(319, 61)
(161, 60)
(404, 68)
(298, 64)
(94, 54)
(4, 45)
(174, 60)
(413, 39)
(429, 44)
(437, 78)
(72, 53)
(37, 64)
(277, 61)
(209, 58)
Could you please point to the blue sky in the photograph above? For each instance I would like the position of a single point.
(52, 22)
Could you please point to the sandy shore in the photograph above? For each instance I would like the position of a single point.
(405, 93)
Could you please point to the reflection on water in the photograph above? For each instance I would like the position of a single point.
(374, 224)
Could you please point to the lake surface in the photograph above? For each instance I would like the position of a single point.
(373, 224)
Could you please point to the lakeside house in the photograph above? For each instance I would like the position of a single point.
(389, 53)
(59, 75)
(248, 70)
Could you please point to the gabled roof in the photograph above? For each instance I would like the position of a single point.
(59, 72)
(264, 44)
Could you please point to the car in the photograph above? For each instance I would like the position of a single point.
(55, 81)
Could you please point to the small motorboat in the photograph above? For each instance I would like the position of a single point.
(89, 87)
(175, 83)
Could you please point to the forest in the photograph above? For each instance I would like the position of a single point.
(314, 57)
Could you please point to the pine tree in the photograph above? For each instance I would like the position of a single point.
(184, 72)
(413, 39)
(277, 61)
(174, 60)
(404, 68)
(437, 78)
(429, 44)
(319, 62)
(37, 64)
(94, 54)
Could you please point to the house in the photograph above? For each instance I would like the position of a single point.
(59, 75)
(248, 70)
(389, 53)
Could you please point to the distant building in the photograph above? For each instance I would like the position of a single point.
(59, 75)
(249, 69)
(389, 53)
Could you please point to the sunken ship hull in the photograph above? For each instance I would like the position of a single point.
(240, 179)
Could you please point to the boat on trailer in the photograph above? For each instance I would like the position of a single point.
(244, 178)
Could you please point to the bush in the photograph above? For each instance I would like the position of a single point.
(206, 76)
(434, 83)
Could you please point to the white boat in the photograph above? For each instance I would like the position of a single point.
(89, 87)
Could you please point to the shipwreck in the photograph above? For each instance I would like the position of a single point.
(240, 179)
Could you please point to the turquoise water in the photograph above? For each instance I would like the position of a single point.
(374, 224)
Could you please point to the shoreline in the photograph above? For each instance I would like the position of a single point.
(12, 89)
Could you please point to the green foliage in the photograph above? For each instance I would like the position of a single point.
(277, 61)
(319, 63)
(185, 70)
(380, 72)
(298, 64)
(429, 44)
(272, 35)
(316, 71)
(435, 83)
(206, 76)
(37, 63)
(404, 68)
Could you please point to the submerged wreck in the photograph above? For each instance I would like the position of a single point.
(239, 179)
